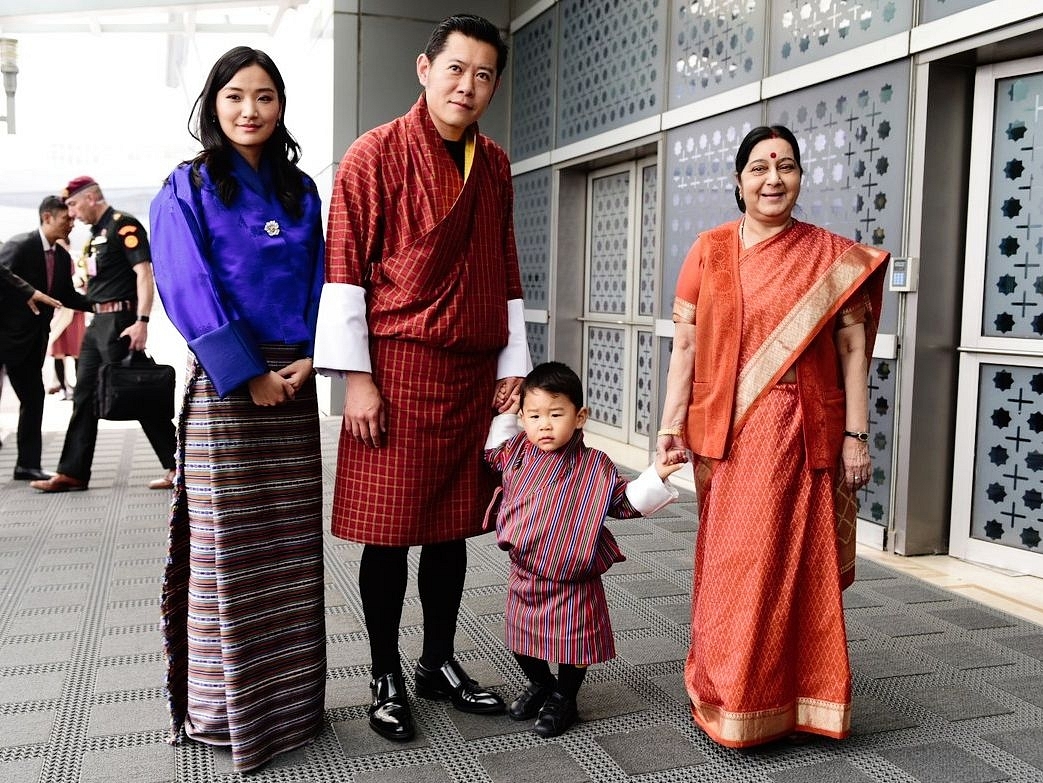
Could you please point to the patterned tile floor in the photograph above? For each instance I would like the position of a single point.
(948, 690)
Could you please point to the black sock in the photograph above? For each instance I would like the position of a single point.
(536, 669)
(382, 586)
(59, 372)
(570, 678)
(440, 582)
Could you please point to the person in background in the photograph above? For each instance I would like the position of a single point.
(422, 312)
(551, 521)
(36, 271)
(774, 324)
(238, 249)
(120, 289)
(67, 329)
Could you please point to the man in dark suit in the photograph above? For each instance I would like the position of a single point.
(36, 271)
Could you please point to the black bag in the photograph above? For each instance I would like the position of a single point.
(135, 388)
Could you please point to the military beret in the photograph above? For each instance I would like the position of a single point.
(78, 184)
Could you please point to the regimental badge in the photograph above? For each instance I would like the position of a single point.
(129, 234)
(271, 228)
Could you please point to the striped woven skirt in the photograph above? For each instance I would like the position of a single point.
(243, 619)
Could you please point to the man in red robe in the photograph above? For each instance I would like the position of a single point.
(422, 313)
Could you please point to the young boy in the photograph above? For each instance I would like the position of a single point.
(555, 497)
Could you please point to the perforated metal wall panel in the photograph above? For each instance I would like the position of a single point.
(532, 215)
(802, 32)
(930, 10)
(610, 67)
(1013, 304)
(698, 186)
(606, 348)
(533, 63)
(537, 336)
(1007, 502)
(649, 250)
(715, 45)
(609, 242)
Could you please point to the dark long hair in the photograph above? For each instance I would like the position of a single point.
(755, 137)
(281, 150)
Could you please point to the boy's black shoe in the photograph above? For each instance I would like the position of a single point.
(530, 701)
(556, 716)
(389, 714)
(450, 681)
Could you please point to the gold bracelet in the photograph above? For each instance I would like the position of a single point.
(675, 431)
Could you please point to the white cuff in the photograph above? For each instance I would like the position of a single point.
(648, 493)
(514, 359)
(342, 334)
(504, 426)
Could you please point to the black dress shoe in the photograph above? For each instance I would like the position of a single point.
(389, 714)
(556, 716)
(450, 681)
(31, 474)
(530, 701)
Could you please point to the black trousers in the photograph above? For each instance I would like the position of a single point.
(102, 345)
(26, 376)
(383, 574)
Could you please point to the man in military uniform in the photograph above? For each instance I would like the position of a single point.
(120, 289)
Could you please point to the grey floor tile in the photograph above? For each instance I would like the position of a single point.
(953, 702)
(966, 655)
(655, 649)
(347, 692)
(872, 716)
(882, 664)
(676, 613)
(1024, 744)
(1029, 644)
(600, 700)
(25, 728)
(130, 676)
(651, 750)
(825, 772)
(653, 588)
(899, 625)
(129, 716)
(486, 604)
(625, 620)
(143, 764)
(858, 599)
(942, 762)
(547, 762)
(473, 727)
(912, 592)
(423, 773)
(39, 686)
(116, 642)
(673, 685)
(1028, 688)
(358, 739)
(21, 651)
(972, 618)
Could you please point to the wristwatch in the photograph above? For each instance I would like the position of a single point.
(861, 436)
(143, 319)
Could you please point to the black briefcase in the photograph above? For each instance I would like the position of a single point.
(135, 388)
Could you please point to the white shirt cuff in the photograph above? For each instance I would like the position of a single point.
(503, 427)
(342, 334)
(514, 361)
(648, 493)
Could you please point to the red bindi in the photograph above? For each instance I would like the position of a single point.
(773, 154)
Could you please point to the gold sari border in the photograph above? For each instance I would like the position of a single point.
(745, 729)
(683, 312)
(797, 328)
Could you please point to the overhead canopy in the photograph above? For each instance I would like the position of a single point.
(142, 16)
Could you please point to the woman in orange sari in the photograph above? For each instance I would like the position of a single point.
(774, 326)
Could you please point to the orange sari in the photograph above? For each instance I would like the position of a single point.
(769, 650)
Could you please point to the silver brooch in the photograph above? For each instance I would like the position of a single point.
(271, 228)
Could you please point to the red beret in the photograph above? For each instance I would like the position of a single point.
(78, 184)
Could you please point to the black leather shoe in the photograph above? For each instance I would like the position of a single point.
(556, 716)
(389, 714)
(450, 681)
(530, 701)
(31, 474)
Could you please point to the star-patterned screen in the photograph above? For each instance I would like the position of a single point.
(715, 45)
(803, 32)
(1013, 304)
(1007, 502)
